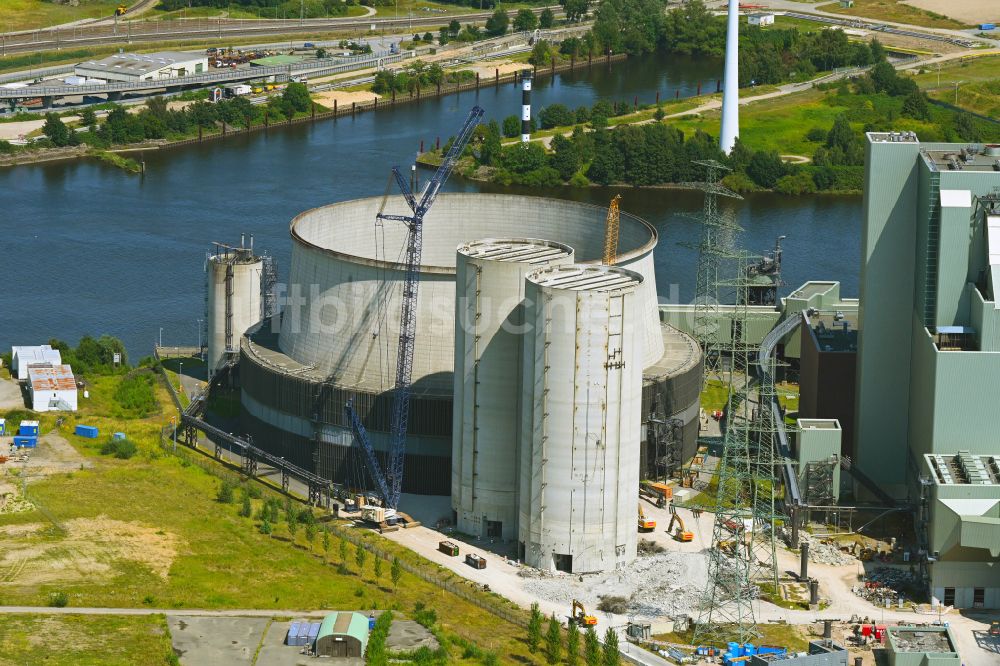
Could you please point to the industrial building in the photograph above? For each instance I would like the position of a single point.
(25, 358)
(928, 348)
(581, 387)
(238, 295)
(342, 634)
(827, 369)
(136, 67)
(921, 646)
(52, 388)
(489, 327)
(337, 339)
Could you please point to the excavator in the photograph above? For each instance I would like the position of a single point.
(580, 617)
(682, 533)
(120, 10)
(645, 524)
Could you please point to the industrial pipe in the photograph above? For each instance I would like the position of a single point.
(813, 592)
(827, 628)
(804, 562)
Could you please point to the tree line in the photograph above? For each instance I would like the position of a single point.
(155, 120)
(651, 154)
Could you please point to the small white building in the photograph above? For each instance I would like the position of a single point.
(53, 389)
(136, 67)
(760, 19)
(24, 358)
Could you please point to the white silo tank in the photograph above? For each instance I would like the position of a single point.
(489, 289)
(581, 392)
(233, 280)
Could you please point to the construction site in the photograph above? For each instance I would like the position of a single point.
(494, 376)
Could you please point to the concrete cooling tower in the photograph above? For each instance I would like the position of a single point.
(339, 329)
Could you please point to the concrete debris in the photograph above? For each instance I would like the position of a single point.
(922, 641)
(826, 553)
(884, 585)
(661, 585)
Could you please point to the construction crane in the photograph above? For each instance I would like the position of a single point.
(390, 482)
(580, 617)
(611, 233)
(645, 524)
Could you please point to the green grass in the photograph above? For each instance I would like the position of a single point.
(221, 560)
(790, 636)
(714, 395)
(971, 69)
(895, 11)
(29, 14)
(85, 640)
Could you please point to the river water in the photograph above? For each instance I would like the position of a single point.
(91, 249)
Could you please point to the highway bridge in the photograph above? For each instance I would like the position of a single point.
(133, 32)
(115, 89)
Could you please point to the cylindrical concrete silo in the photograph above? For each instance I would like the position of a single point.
(233, 280)
(581, 392)
(489, 289)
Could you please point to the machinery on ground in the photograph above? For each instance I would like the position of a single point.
(995, 628)
(658, 493)
(580, 617)
(645, 524)
(682, 533)
(120, 10)
(390, 482)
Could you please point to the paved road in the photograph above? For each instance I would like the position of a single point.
(192, 612)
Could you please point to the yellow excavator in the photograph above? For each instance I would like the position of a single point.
(682, 533)
(580, 617)
(645, 524)
(120, 10)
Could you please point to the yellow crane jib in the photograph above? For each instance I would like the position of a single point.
(611, 233)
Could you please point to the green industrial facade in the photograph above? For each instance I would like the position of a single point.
(929, 352)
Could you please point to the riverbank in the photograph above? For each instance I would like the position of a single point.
(223, 130)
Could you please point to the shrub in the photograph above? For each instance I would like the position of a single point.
(135, 395)
(225, 494)
(423, 615)
(797, 183)
(123, 449)
(613, 604)
(58, 599)
(816, 135)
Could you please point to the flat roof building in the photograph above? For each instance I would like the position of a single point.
(136, 67)
(52, 388)
(23, 358)
(827, 368)
(921, 646)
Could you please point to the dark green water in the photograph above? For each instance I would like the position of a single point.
(91, 249)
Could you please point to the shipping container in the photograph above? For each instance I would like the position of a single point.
(987, 26)
(303, 637)
(313, 632)
(119, 435)
(448, 548)
(87, 431)
(293, 634)
(475, 561)
(28, 428)
(25, 442)
(3, 426)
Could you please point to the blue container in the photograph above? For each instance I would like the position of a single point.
(303, 637)
(3, 427)
(25, 442)
(293, 633)
(987, 26)
(313, 632)
(87, 431)
(28, 428)
(119, 435)
(371, 623)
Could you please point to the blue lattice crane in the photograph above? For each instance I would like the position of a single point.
(390, 483)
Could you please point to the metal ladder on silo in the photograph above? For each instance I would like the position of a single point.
(932, 248)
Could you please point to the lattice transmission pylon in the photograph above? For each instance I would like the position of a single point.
(742, 552)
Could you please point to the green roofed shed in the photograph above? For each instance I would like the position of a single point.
(276, 61)
(342, 635)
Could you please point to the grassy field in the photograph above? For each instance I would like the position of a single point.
(84, 640)
(29, 14)
(148, 531)
(978, 80)
(237, 13)
(795, 638)
(897, 12)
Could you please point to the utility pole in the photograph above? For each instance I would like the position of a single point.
(161, 337)
(957, 84)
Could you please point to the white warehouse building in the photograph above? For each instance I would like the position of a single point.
(136, 67)
(23, 358)
(53, 388)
